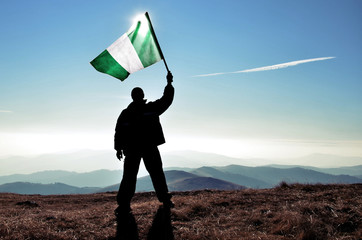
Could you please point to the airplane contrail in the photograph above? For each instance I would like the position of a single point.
(267, 68)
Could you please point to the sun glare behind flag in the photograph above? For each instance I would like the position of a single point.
(136, 49)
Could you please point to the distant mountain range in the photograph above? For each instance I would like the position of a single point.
(193, 159)
(43, 189)
(74, 161)
(87, 161)
(98, 178)
(224, 178)
(272, 176)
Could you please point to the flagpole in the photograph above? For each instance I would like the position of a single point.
(156, 41)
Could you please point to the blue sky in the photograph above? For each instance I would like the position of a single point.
(51, 99)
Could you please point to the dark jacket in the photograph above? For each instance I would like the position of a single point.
(139, 124)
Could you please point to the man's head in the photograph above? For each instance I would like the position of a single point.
(137, 94)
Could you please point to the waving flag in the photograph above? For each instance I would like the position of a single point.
(136, 49)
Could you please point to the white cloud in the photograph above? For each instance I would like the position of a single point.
(5, 111)
(272, 67)
(211, 74)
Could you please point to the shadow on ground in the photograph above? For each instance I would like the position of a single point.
(161, 228)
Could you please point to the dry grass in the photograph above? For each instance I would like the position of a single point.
(285, 212)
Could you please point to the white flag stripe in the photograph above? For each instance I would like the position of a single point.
(124, 53)
(272, 67)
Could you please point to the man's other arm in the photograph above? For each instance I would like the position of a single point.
(119, 136)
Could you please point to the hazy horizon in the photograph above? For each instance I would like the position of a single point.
(92, 160)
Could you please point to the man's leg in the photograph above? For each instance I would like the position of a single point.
(127, 187)
(153, 163)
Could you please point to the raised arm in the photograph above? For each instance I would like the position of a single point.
(161, 105)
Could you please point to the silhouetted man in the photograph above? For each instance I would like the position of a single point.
(138, 133)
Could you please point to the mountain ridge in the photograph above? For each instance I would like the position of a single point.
(44, 189)
(226, 178)
(97, 178)
(91, 160)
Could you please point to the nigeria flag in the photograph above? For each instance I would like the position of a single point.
(133, 51)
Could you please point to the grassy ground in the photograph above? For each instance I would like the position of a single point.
(284, 212)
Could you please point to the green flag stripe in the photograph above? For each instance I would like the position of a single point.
(144, 43)
(105, 63)
(133, 51)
